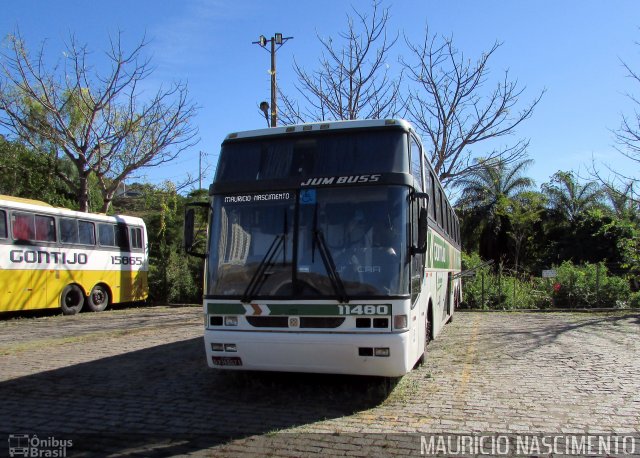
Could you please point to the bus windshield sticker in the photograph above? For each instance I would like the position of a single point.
(308, 196)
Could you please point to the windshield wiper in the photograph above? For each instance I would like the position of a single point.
(327, 260)
(260, 276)
(330, 266)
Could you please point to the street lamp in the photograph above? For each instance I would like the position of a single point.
(279, 40)
(264, 106)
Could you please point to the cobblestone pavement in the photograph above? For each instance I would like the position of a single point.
(135, 382)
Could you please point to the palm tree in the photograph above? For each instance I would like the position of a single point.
(621, 200)
(484, 188)
(570, 199)
(482, 195)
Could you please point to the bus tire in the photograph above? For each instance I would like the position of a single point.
(71, 300)
(428, 336)
(98, 299)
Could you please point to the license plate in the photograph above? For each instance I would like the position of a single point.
(226, 361)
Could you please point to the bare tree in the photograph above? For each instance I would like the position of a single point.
(353, 80)
(453, 112)
(628, 144)
(103, 123)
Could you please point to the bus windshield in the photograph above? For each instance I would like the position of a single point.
(348, 153)
(321, 242)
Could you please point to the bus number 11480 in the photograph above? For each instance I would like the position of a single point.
(363, 310)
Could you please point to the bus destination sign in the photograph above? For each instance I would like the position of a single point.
(251, 198)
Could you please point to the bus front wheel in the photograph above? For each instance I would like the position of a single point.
(428, 336)
(71, 300)
(98, 299)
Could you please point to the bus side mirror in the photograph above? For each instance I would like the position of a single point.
(423, 224)
(423, 229)
(190, 229)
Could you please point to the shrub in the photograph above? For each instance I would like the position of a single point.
(496, 290)
(589, 286)
(584, 286)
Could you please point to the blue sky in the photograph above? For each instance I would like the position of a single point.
(573, 49)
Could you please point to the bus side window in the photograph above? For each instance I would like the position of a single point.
(68, 230)
(86, 233)
(439, 209)
(23, 226)
(432, 183)
(3, 225)
(135, 238)
(45, 229)
(122, 240)
(416, 165)
(106, 235)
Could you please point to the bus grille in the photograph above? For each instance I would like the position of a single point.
(320, 322)
(268, 321)
(305, 322)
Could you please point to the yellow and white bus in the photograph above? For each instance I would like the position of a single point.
(54, 257)
(331, 248)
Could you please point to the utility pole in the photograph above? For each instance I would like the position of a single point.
(200, 170)
(278, 40)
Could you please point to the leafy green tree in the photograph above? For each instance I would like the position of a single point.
(25, 172)
(624, 234)
(594, 236)
(523, 212)
(173, 276)
(98, 121)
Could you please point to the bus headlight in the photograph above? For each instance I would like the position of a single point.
(400, 322)
(231, 321)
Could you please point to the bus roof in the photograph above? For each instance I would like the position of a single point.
(33, 205)
(22, 200)
(321, 126)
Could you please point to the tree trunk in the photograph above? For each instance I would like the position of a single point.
(106, 201)
(83, 191)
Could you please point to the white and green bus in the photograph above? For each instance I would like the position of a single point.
(331, 248)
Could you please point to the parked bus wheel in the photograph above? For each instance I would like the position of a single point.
(428, 335)
(98, 299)
(71, 300)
